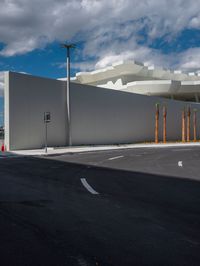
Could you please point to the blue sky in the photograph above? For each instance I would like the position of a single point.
(158, 32)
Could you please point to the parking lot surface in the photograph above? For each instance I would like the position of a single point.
(130, 207)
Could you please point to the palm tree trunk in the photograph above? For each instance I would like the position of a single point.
(188, 124)
(195, 125)
(183, 125)
(164, 123)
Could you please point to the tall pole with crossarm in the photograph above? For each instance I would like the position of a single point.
(68, 47)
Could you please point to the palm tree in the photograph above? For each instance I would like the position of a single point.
(183, 125)
(188, 123)
(195, 124)
(164, 123)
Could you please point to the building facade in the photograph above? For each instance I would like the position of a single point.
(98, 115)
(135, 77)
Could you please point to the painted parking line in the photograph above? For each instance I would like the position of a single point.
(180, 164)
(114, 158)
(88, 187)
(182, 149)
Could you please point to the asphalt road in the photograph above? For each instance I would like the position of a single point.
(124, 207)
(177, 161)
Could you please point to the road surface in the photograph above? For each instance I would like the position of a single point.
(130, 207)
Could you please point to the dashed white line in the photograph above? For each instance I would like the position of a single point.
(180, 164)
(88, 187)
(114, 158)
(182, 149)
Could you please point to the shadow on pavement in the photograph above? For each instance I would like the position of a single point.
(48, 218)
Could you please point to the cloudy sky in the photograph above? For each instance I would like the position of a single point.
(160, 32)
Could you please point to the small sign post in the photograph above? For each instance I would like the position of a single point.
(47, 119)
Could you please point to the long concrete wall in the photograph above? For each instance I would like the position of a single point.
(98, 115)
(26, 100)
(104, 116)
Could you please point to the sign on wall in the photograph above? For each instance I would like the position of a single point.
(47, 117)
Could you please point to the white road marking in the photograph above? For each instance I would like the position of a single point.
(114, 158)
(87, 186)
(182, 149)
(180, 163)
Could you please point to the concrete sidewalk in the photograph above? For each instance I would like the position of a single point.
(78, 149)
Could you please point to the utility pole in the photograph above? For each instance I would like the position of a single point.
(164, 123)
(2, 125)
(68, 47)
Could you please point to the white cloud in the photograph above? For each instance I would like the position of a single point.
(195, 22)
(26, 24)
(111, 49)
(84, 66)
(110, 30)
(190, 59)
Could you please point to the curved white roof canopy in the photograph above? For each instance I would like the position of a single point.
(154, 87)
(164, 87)
(132, 76)
(129, 71)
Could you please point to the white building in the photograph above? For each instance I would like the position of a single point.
(135, 77)
(107, 106)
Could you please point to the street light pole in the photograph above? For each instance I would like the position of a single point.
(68, 47)
(2, 125)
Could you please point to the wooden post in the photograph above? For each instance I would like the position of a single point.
(156, 123)
(195, 124)
(164, 123)
(183, 125)
(188, 123)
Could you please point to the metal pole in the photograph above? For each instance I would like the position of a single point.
(68, 96)
(2, 133)
(164, 123)
(67, 47)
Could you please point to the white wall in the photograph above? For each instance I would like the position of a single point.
(98, 115)
(105, 116)
(26, 100)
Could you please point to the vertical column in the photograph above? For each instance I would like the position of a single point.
(183, 125)
(188, 123)
(68, 97)
(195, 124)
(164, 123)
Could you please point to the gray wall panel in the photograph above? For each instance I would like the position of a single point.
(29, 98)
(104, 116)
(98, 115)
